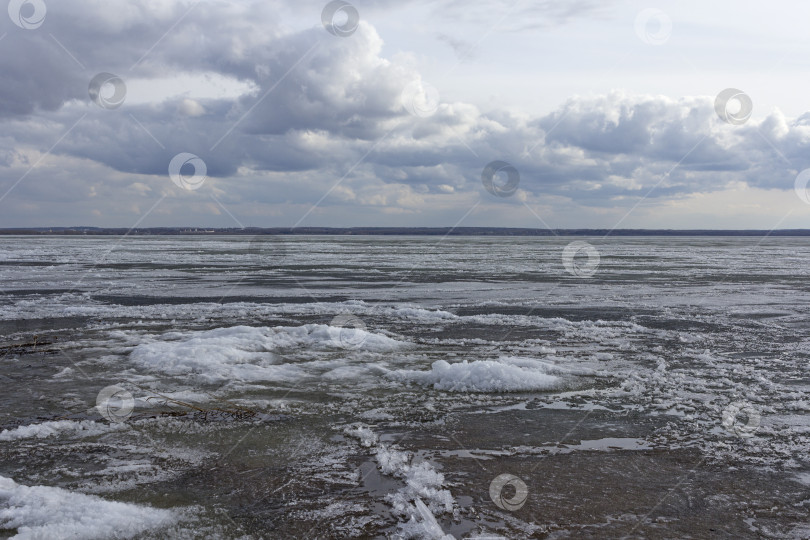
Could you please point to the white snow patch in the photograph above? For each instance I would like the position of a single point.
(84, 428)
(246, 353)
(422, 482)
(366, 437)
(41, 512)
(501, 375)
(419, 314)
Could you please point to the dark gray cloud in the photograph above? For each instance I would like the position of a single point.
(325, 108)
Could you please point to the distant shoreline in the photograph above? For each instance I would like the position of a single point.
(385, 231)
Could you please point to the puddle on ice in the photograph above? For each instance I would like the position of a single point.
(606, 444)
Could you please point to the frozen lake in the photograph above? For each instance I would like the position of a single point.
(405, 387)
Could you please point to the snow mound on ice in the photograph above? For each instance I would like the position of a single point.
(84, 428)
(247, 353)
(501, 375)
(39, 512)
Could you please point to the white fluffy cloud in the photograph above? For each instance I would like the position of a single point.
(285, 118)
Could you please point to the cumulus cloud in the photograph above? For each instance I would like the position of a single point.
(315, 114)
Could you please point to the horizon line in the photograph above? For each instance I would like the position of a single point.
(386, 231)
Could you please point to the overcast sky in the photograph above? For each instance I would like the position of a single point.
(290, 114)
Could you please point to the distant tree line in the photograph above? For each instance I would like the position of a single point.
(390, 231)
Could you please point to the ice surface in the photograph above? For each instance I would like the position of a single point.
(69, 428)
(501, 375)
(41, 512)
(247, 353)
(422, 482)
(657, 345)
(428, 527)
